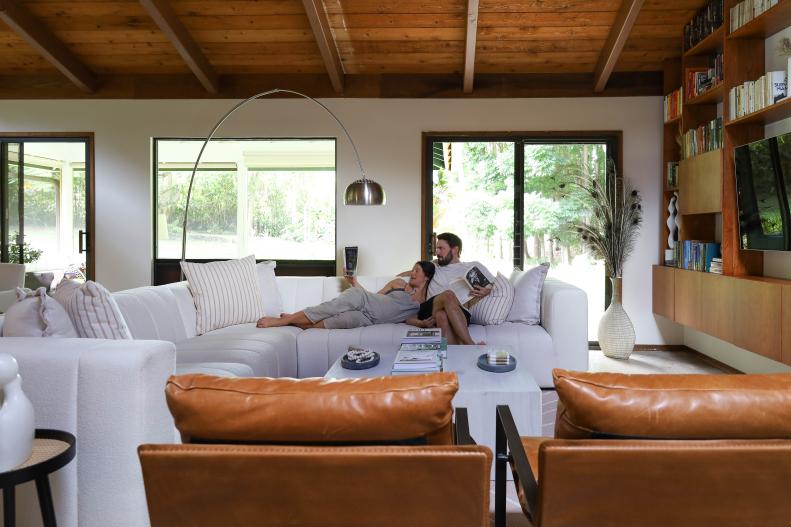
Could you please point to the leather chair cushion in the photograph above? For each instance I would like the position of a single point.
(316, 410)
(673, 406)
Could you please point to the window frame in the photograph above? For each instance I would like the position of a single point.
(90, 180)
(168, 270)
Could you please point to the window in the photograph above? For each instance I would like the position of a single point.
(507, 198)
(274, 198)
(44, 197)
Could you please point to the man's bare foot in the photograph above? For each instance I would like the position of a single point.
(271, 322)
(481, 343)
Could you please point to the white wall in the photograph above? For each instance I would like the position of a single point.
(388, 135)
(776, 264)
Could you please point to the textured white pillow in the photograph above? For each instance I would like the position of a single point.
(37, 315)
(225, 293)
(527, 294)
(494, 308)
(95, 313)
(64, 290)
(270, 294)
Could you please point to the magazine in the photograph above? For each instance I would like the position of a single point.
(424, 361)
(463, 286)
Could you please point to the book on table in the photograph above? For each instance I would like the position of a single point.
(423, 336)
(417, 361)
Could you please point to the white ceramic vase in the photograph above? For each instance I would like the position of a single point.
(616, 332)
(17, 425)
(672, 225)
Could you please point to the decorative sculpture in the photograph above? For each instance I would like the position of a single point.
(17, 426)
(672, 226)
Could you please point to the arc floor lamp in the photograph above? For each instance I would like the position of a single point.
(362, 191)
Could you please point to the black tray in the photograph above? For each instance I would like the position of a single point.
(483, 363)
(351, 365)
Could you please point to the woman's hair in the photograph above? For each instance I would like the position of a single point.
(428, 270)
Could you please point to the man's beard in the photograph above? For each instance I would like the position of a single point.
(445, 261)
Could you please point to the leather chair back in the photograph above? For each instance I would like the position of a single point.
(316, 466)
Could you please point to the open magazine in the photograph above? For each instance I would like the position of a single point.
(463, 286)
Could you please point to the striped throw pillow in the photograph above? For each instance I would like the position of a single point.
(494, 307)
(95, 313)
(225, 293)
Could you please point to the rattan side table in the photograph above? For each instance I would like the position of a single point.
(52, 450)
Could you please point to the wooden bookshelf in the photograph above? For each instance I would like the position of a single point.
(713, 303)
(710, 44)
(674, 120)
(770, 114)
(768, 23)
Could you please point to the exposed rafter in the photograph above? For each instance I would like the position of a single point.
(170, 24)
(469, 48)
(624, 21)
(52, 49)
(329, 51)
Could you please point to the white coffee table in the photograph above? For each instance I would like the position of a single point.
(479, 391)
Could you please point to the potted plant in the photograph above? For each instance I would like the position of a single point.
(610, 231)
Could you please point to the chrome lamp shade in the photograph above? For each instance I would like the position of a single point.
(364, 192)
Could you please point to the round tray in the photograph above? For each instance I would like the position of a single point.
(351, 365)
(483, 364)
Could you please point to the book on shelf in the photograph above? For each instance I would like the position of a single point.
(463, 286)
(697, 255)
(700, 80)
(716, 266)
(672, 174)
(752, 96)
(706, 21)
(704, 138)
(672, 104)
(747, 10)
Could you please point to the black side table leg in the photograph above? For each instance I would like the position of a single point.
(9, 514)
(45, 501)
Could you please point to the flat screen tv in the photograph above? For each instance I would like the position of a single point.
(763, 190)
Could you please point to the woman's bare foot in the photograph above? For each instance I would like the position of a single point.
(272, 322)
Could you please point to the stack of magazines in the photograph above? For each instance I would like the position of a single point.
(420, 352)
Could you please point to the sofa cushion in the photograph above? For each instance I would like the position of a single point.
(35, 314)
(673, 406)
(313, 410)
(270, 294)
(270, 352)
(527, 294)
(225, 293)
(494, 307)
(153, 313)
(221, 369)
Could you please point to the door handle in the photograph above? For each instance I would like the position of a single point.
(82, 247)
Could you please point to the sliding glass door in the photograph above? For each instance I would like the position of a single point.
(44, 202)
(511, 200)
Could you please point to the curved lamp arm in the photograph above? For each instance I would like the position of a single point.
(217, 126)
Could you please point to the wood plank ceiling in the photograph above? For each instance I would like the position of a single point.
(341, 47)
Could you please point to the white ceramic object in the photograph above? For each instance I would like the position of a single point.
(17, 425)
(672, 226)
(616, 332)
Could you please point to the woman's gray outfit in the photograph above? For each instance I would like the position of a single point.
(356, 308)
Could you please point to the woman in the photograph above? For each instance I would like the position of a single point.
(356, 307)
(445, 312)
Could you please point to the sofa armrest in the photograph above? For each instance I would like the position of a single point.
(110, 395)
(564, 315)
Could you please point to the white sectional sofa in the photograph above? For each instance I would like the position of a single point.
(110, 394)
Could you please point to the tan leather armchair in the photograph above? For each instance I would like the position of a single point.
(655, 450)
(352, 452)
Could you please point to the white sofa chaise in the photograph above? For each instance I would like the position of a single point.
(110, 394)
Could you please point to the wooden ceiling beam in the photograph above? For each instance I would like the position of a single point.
(616, 40)
(469, 48)
(44, 42)
(165, 17)
(320, 24)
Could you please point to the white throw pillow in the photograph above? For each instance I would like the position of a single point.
(64, 290)
(37, 315)
(270, 294)
(494, 308)
(527, 294)
(95, 313)
(225, 293)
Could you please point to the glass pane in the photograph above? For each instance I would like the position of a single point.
(549, 171)
(54, 208)
(12, 200)
(474, 198)
(271, 198)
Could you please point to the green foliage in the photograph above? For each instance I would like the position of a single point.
(212, 205)
(29, 254)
